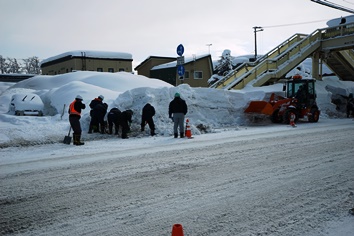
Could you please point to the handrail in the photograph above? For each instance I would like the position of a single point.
(280, 55)
(273, 53)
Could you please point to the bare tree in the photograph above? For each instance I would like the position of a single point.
(31, 66)
(12, 66)
(2, 65)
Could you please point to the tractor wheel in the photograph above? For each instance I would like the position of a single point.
(315, 115)
(287, 115)
(275, 118)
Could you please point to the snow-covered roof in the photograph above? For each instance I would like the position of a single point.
(91, 54)
(337, 21)
(174, 63)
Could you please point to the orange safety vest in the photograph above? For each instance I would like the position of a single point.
(72, 109)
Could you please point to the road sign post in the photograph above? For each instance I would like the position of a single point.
(180, 70)
(180, 62)
(180, 50)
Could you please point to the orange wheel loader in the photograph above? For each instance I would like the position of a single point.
(300, 100)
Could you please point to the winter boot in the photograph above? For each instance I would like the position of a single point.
(181, 135)
(176, 135)
(124, 136)
(152, 132)
(77, 141)
(95, 129)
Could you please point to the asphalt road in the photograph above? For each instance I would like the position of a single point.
(281, 182)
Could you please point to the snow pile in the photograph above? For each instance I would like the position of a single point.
(209, 109)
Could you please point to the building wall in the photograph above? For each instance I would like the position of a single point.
(86, 64)
(145, 68)
(199, 67)
(202, 66)
(168, 75)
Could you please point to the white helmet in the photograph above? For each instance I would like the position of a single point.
(101, 96)
(78, 97)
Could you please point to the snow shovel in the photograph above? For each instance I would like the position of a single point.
(67, 139)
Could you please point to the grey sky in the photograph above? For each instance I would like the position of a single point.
(46, 28)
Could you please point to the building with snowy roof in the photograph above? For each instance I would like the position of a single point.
(197, 70)
(87, 61)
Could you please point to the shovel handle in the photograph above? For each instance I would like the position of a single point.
(69, 131)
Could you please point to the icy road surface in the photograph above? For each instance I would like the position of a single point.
(261, 180)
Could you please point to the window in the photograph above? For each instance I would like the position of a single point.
(121, 69)
(110, 70)
(100, 69)
(198, 74)
(186, 74)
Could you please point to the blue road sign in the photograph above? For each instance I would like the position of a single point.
(180, 70)
(180, 50)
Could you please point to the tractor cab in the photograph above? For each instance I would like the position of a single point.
(303, 90)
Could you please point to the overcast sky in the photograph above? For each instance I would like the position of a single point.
(45, 28)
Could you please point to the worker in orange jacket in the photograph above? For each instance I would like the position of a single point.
(74, 119)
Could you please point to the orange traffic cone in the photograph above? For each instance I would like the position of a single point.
(177, 230)
(188, 130)
(292, 119)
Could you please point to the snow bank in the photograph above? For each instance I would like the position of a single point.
(209, 109)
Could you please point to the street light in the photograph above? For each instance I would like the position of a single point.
(256, 29)
(209, 44)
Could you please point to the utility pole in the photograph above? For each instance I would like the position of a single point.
(209, 44)
(256, 29)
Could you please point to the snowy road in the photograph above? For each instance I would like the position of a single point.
(268, 180)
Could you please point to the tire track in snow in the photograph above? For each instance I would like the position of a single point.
(285, 183)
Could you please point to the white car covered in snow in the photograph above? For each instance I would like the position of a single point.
(26, 105)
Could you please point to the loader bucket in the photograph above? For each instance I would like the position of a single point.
(259, 107)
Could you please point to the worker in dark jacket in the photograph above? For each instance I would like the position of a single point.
(146, 118)
(94, 124)
(98, 114)
(74, 119)
(113, 119)
(176, 111)
(125, 121)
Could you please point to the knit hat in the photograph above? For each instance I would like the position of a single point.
(78, 97)
(177, 95)
(101, 97)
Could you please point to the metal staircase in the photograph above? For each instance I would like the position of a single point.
(342, 63)
(334, 44)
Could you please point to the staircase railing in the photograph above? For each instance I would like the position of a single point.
(281, 59)
(245, 67)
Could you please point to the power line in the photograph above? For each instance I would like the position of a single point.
(348, 2)
(333, 5)
(292, 24)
